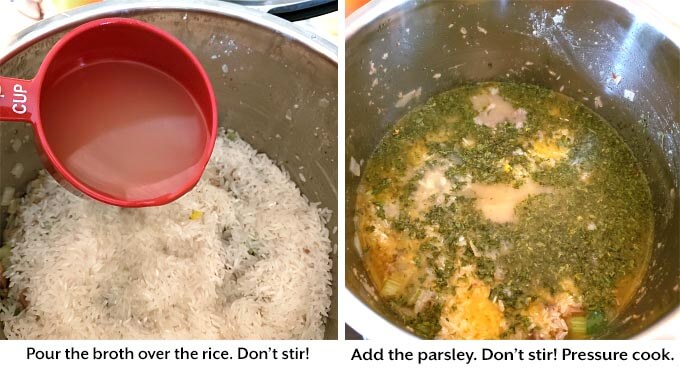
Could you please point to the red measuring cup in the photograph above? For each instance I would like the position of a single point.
(122, 112)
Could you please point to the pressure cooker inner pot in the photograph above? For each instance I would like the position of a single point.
(596, 52)
(278, 92)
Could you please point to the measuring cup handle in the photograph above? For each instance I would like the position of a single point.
(17, 100)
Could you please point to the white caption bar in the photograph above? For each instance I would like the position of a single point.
(346, 357)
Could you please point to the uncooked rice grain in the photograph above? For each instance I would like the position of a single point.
(254, 265)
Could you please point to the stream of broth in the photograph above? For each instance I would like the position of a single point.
(504, 211)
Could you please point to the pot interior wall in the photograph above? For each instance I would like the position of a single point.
(278, 93)
(576, 47)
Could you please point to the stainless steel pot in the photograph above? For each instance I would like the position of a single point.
(579, 47)
(275, 84)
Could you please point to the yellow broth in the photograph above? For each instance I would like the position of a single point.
(504, 211)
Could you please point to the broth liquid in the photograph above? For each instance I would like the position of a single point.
(124, 129)
(504, 210)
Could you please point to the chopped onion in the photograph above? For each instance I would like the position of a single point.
(17, 170)
(354, 167)
(7, 196)
(474, 248)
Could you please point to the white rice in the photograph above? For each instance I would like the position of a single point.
(255, 265)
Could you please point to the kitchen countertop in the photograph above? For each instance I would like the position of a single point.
(11, 21)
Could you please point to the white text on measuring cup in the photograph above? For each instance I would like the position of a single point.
(19, 99)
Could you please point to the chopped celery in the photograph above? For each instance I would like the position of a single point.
(577, 327)
(413, 294)
(391, 287)
(195, 214)
(5, 253)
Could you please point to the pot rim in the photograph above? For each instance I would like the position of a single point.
(121, 8)
(370, 324)
(374, 9)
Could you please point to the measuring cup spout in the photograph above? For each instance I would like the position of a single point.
(17, 100)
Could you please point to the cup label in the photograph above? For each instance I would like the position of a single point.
(19, 99)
